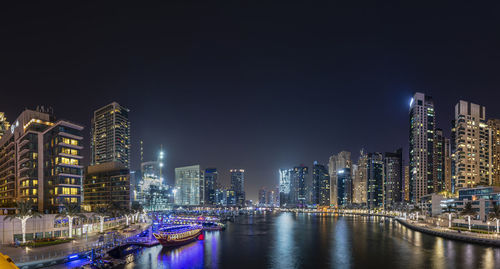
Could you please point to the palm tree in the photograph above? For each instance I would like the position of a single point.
(468, 211)
(101, 213)
(495, 214)
(71, 211)
(23, 213)
(117, 211)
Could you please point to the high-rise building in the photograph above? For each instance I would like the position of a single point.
(238, 185)
(320, 185)
(187, 185)
(344, 187)
(422, 127)
(41, 161)
(472, 150)
(210, 183)
(105, 184)
(438, 174)
(285, 187)
(273, 197)
(393, 166)
(151, 175)
(407, 183)
(337, 162)
(110, 135)
(4, 124)
(494, 125)
(375, 188)
(262, 196)
(448, 183)
(298, 191)
(360, 179)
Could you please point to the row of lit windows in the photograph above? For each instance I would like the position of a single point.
(65, 160)
(70, 141)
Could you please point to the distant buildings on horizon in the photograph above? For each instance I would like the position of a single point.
(41, 161)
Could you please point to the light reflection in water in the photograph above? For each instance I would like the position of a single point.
(438, 253)
(187, 256)
(341, 254)
(283, 255)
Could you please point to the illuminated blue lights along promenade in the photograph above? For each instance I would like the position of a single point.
(287, 240)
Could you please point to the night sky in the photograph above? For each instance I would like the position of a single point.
(258, 86)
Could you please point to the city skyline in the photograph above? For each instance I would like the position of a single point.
(242, 109)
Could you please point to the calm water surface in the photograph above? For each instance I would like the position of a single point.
(287, 240)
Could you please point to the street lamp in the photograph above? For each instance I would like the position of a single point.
(488, 227)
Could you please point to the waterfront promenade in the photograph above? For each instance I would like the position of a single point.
(465, 236)
(25, 256)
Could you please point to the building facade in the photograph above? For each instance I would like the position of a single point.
(337, 162)
(407, 183)
(421, 151)
(494, 125)
(472, 150)
(285, 176)
(344, 187)
(41, 161)
(298, 194)
(438, 174)
(187, 185)
(375, 188)
(110, 135)
(106, 184)
(393, 183)
(210, 183)
(320, 185)
(360, 177)
(238, 185)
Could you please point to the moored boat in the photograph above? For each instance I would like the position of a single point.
(213, 226)
(178, 235)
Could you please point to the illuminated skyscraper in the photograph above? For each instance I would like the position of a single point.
(448, 183)
(262, 196)
(344, 187)
(422, 127)
(41, 161)
(238, 185)
(406, 183)
(285, 186)
(298, 193)
(110, 135)
(211, 176)
(438, 175)
(336, 163)
(494, 125)
(393, 183)
(472, 149)
(320, 185)
(360, 178)
(187, 185)
(375, 192)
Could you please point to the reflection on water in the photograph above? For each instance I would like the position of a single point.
(289, 240)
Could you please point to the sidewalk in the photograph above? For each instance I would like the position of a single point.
(469, 237)
(26, 254)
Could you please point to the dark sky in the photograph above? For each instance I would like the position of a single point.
(258, 86)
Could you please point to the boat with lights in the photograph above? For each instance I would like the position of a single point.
(179, 235)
